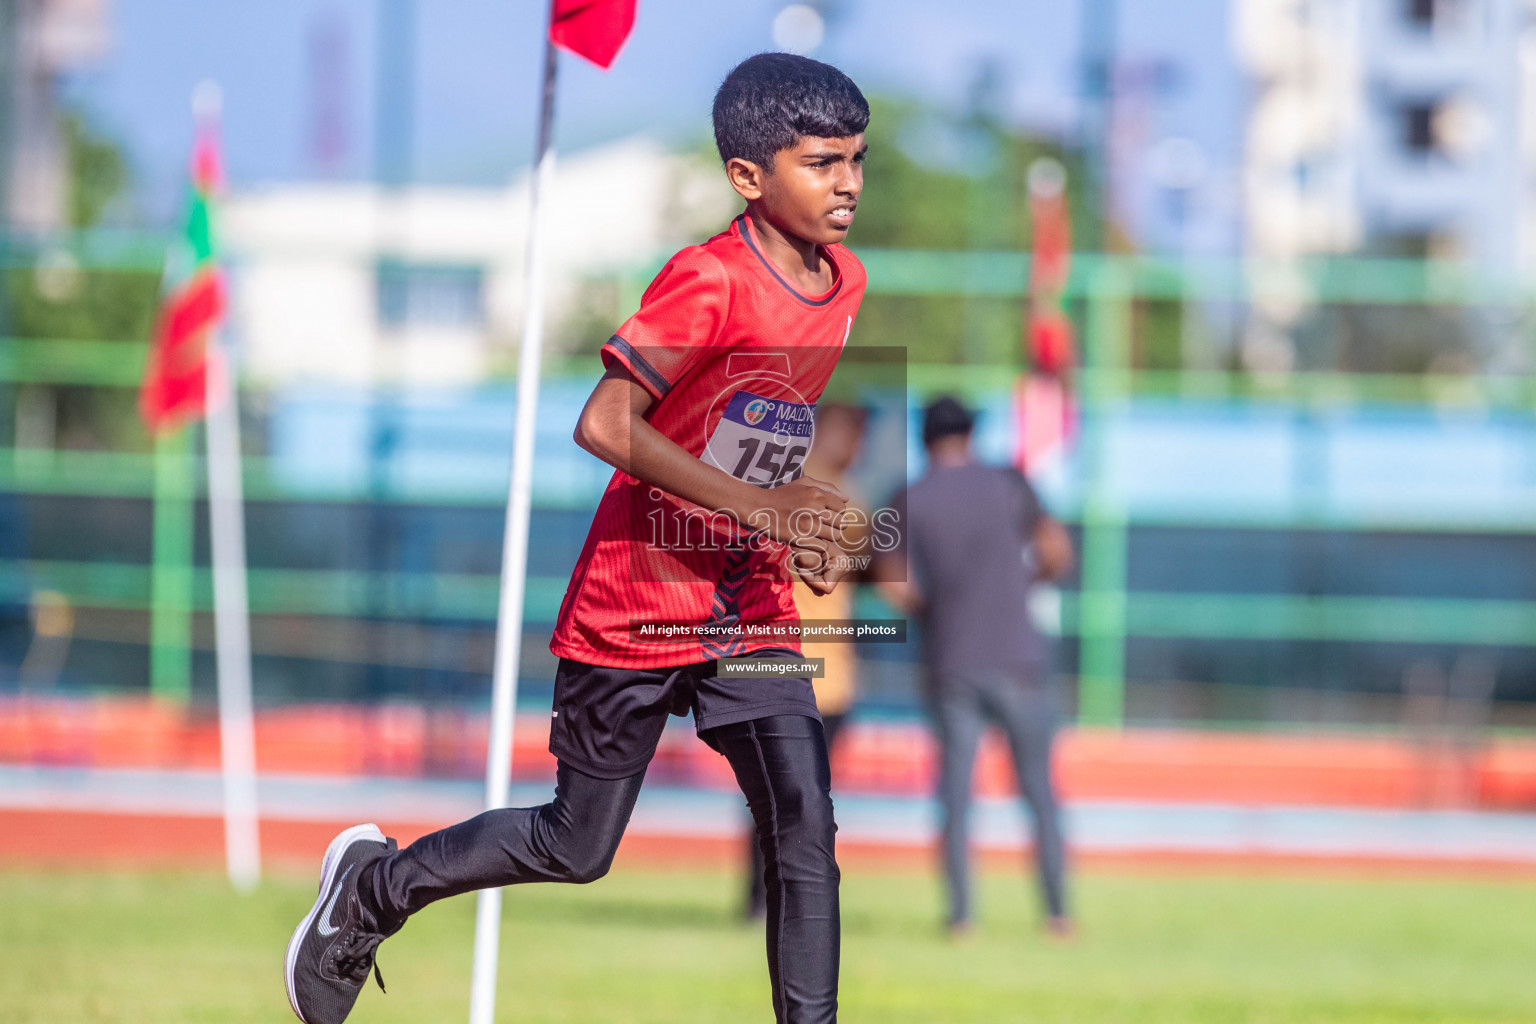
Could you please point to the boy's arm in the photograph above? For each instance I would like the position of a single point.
(613, 428)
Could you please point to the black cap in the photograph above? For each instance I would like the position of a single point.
(946, 416)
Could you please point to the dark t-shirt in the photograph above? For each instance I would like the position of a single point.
(966, 532)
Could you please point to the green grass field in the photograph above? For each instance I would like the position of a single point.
(647, 947)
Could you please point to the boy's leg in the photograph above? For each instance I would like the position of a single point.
(368, 888)
(604, 731)
(781, 765)
(571, 839)
(757, 895)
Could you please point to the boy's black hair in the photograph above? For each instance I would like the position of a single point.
(770, 100)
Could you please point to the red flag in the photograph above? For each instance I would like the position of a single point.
(594, 29)
(175, 384)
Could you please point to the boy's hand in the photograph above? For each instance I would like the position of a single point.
(815, 517)
(817, 567)
(805, 514)
(800, 513)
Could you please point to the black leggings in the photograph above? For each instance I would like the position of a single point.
(757, 892)
(781, 765)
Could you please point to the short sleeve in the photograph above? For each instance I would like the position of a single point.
(681, 315)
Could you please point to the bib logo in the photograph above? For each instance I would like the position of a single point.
(755, 411)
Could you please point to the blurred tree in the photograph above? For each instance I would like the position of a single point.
(952, 182)
(594, 316)
(934, 180)
(97, 173)
(57, 298)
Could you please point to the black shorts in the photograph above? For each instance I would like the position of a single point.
(607, 721)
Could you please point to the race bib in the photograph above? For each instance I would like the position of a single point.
(762, 440)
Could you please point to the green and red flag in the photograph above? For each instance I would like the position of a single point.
(1050, 344)
(1045, 405)
(594, 29)
(175, 385)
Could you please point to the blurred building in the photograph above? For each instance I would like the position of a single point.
(39, 41)
(420, 285)
(1387, 127)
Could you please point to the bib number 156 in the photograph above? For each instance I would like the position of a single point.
(763, 441)
(774, 463)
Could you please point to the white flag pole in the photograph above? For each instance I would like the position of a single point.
(514, 557)
(226, 521)
(237, 733)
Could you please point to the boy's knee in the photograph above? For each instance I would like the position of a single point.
(804, 798)
(583, 867)
(585, 874)
(804, 817)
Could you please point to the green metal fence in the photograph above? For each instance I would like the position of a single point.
(1100, 616)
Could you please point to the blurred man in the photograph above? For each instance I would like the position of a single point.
(973, 538)
(839, 436)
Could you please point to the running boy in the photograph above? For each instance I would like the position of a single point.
(705, 413)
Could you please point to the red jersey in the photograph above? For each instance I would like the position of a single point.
(736, 358)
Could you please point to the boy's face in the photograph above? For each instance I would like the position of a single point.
(812, 190)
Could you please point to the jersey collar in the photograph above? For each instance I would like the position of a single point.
(748, 235)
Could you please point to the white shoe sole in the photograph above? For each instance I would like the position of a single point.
(333, 854)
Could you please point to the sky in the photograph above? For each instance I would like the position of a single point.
(476, 69)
